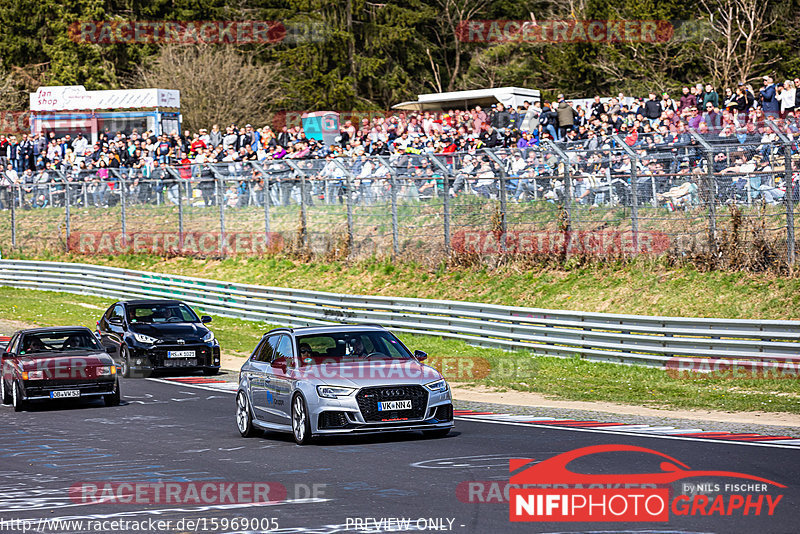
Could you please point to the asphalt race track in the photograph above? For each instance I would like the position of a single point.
(186, 433)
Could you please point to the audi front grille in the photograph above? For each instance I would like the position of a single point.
(368, 399)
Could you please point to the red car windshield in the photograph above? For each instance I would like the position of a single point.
(43, 342)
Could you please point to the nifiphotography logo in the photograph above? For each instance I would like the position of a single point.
(550, 491)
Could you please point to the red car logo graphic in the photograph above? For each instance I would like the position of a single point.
(550, 491)
(554, 470)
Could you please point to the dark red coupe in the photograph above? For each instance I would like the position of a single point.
(56, 363)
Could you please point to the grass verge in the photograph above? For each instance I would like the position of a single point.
(571, 379)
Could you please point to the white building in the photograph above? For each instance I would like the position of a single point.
(72, 109)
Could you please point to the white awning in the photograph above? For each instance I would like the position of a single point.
(509, 96)
(76, 97)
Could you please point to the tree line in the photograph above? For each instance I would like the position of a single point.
(362, 55)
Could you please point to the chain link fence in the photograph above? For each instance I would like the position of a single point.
(720, 204)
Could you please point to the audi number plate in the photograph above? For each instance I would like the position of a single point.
(67, 393)
(386, 406)
(180, 354)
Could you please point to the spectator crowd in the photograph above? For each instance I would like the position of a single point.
(265, 165)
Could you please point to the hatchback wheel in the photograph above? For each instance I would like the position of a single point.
(301, 424)
(126, 364)
(244, 418)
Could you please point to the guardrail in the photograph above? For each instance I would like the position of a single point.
(626, 339)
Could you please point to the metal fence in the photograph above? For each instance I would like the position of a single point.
(626, 339)
(720, 200)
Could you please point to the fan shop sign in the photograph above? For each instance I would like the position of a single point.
(174, 243)
(601, 243)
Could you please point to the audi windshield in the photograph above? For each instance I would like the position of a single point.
(331, 347)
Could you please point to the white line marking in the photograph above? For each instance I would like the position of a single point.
(621, 428)
(509, 417)
(657, 429)
(637, 434)
(206, 387)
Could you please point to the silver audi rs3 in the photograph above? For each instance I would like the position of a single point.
(317, 381)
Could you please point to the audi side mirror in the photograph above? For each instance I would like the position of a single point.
(279, 363)
(420, 355)
(205, 319)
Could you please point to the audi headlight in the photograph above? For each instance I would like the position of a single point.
(331, 392)
(106, 370)
(440, 386)
(208, 338)
(141, 338)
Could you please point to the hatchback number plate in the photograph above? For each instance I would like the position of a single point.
(386, 406)
(67, 393)
(180, 354)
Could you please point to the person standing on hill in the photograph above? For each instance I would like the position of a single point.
(8, 179)
(688, 100)
(652, 109)
(214, 137)
(786, 96)
(566, 117)
(769, 101)
(710, 96)
(549, 120)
